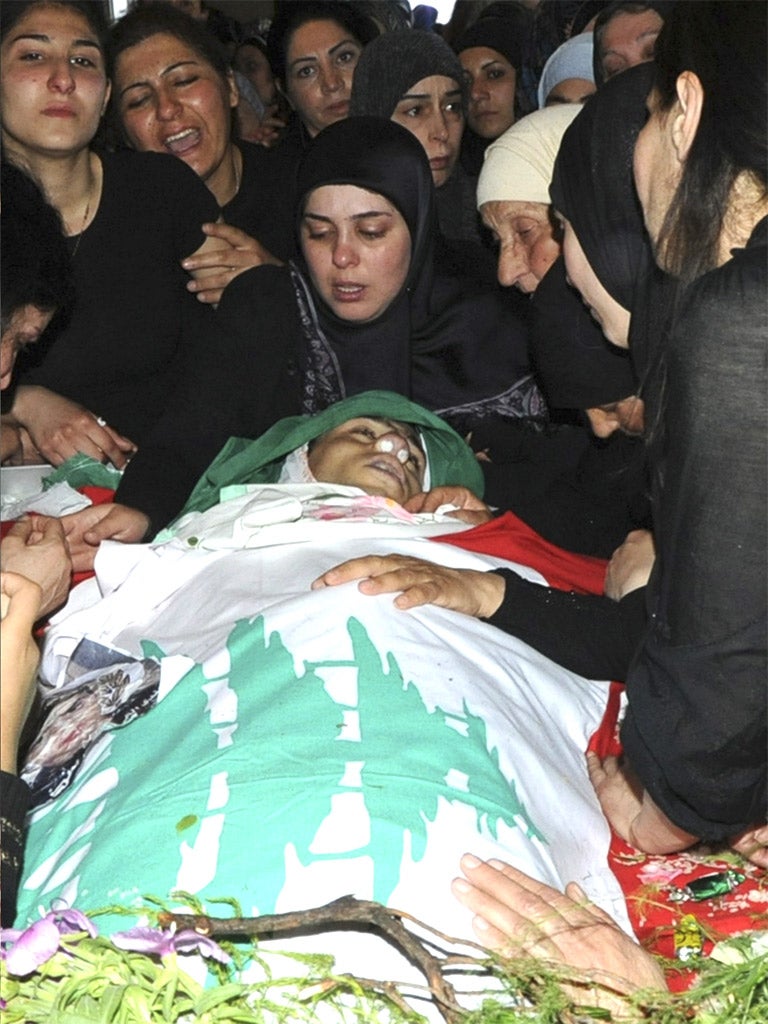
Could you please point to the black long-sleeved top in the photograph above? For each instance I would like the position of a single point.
(697, 721)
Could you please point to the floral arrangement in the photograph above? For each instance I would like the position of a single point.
(60, 970)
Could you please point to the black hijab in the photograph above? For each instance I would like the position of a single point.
(446, 344)
(593, 186)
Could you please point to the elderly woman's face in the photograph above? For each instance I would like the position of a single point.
(525, 233)
(380, 456)
(492, 91)
(358, 250)
(609, 314)
(170, 100)
(321, 58)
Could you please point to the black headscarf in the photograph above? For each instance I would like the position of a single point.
(508, 36)
(593, 186)
(576, 366)
(444, 343)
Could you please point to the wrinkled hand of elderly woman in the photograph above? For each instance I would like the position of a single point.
(60, 428)
(420, 582)
(226, 252)
(521, 917)
(469, 508)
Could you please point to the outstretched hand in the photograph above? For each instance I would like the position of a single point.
(420, 582)
(518, 916)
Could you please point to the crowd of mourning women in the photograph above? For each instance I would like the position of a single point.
(544, 222)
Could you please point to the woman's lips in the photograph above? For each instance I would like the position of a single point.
(181, 142)
(63, 112)
(348, 291)
(340, 109)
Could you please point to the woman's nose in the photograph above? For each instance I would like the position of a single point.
(512, 265)
(168, 106)
(439, 127)
(395, 444)
(478, 90)
(62, 78)
(331, 79)
(344, 253)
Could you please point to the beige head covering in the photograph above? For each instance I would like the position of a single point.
(518, 165)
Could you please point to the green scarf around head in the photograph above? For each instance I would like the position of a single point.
(242, 461)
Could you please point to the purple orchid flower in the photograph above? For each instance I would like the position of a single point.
(35, 945)
(162, 943)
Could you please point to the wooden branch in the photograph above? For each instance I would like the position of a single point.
(346, 910)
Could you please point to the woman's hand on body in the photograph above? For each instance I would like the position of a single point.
(470, 508)
(630, 811)
(227, 252)
(36, 548)
(60, 428)
(420, 582)
(518, 916)
(85, 530)
(630, 565)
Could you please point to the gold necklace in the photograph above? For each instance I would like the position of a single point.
(85, 221)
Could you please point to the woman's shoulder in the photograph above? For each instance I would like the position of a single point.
(258, 293)
(156, 178)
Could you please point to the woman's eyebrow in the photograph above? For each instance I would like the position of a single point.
(163, 73)
(355, 216)
(331, 52)
(40, 37)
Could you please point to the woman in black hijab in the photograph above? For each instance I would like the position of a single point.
(593, 187)
(335, 323)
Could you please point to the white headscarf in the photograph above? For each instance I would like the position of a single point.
(518, 165)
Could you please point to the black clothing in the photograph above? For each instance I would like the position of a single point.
(695, 730)
(576, 366)
(134, 325)
(593, 185)
(461, 248)
(587, 633)
(15, 799)
(264, 204)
